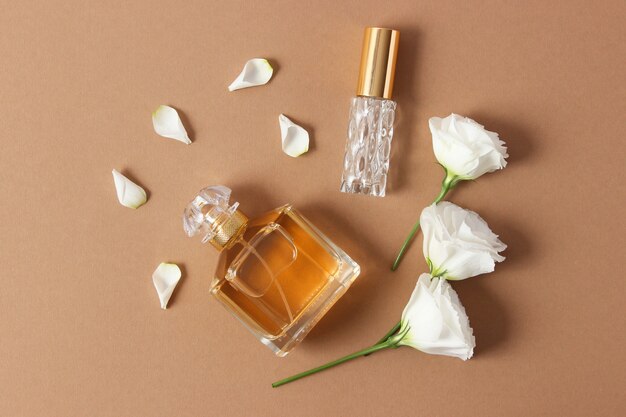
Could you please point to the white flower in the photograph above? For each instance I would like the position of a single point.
(129, 194)
(465, 148)
(167, 123)
(434, 321)
(165, 278)
(458, 243)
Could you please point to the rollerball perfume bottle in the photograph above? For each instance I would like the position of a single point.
(276, 273)
(372, 113)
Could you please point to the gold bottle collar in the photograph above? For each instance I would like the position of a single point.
(227, 231)
(378, 62)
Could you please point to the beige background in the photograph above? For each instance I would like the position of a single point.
(80, 326)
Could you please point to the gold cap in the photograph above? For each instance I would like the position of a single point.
(378, 62)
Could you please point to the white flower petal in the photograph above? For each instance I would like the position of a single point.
(167, 123)
(434, 320)
(128, 193)
(295, 139)
(257, 71)
(423, 313)
(165, 278)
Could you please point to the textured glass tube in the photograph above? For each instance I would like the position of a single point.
(370, 131)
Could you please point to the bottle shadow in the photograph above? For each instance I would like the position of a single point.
(408, 66)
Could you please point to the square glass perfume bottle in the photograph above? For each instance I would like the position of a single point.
(372, 114)
(276, 273)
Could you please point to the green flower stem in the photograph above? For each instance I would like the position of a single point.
(389, 333)
(447, 184)
(385, 345)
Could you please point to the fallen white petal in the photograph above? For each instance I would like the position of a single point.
(128, 193)
(295, 138)
(257, 71)
(165, 278)
(167, 123)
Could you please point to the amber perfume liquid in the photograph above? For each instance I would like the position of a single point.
(294, 287)
(279, 275)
